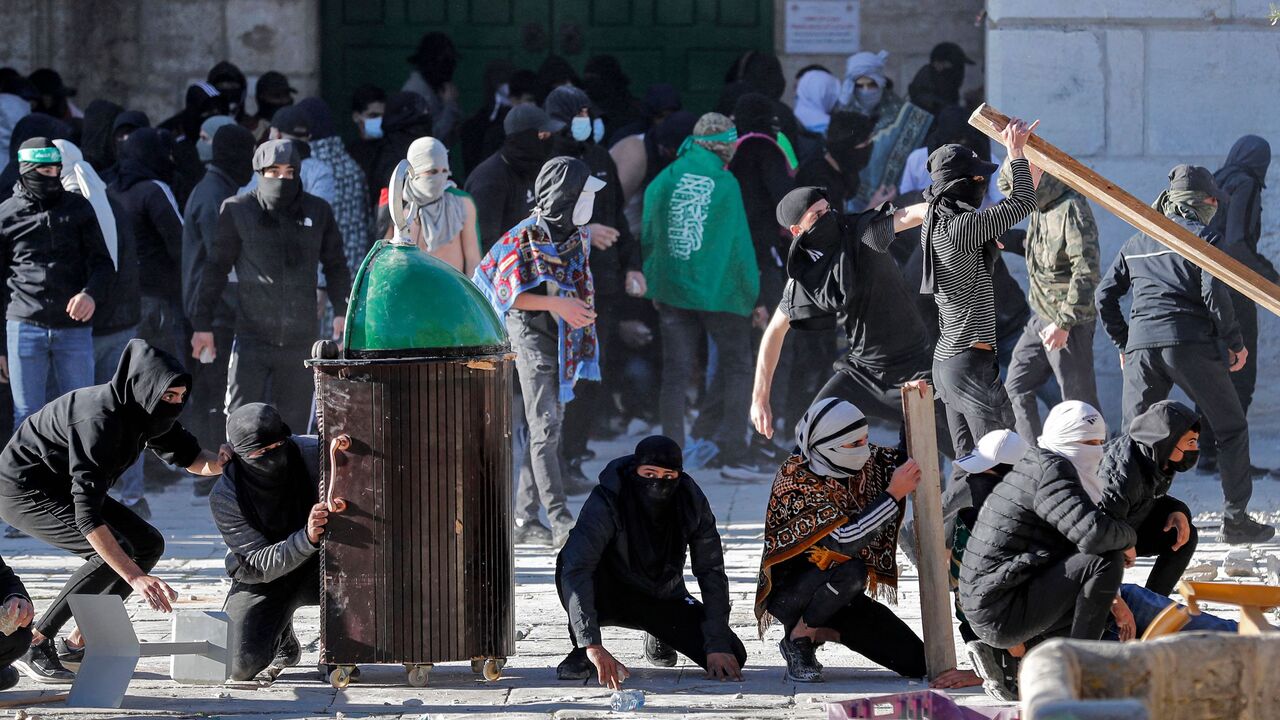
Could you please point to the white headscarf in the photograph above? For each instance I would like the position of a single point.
(1068, 424)
(440, 213)
(827, 425)
(816, 94)
(859, 64)
(79, 177)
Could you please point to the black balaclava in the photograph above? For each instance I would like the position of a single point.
(846, 131)
(275, 492)
(436, 59)
(755, 113)
(146, 155)
(140, 381)
(96, 141)
(556, 191)
(232, 84)
(953, 191)
(278, 196)
(32, 155)
(233, 153)
(31, 126)
(761, 71)
(649, 512)
(825, 234)
(525, 152)
(663, 141)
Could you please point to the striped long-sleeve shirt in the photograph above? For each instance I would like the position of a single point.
(964, 292)
(854, 535)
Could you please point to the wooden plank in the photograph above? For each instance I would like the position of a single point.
(1135, 212)
(935, 580)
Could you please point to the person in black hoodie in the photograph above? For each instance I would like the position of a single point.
(31, 126)
(265, 505)
(95, 137)
(502, 185)
(765, 175)
(274, 237)
(55, 473)
(1241, 179)
(615, 262)
(56, 266)
(230, 170)
(623, 565)
(1182, 331)
(203, 101)
(937, 84)
(150, 208)
(1136, 473)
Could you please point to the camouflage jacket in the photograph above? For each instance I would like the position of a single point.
(1061, 250)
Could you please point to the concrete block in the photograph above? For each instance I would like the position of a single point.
(1126, 108)
(281, 35)
(1205, 89)
(1027, 78)
(1004, 10)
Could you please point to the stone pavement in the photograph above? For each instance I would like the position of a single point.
(528, 688)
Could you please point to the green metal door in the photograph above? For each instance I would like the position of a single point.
(688, 43)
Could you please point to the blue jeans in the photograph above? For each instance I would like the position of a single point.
(1146, 605)
(37, 354)
(107, 350)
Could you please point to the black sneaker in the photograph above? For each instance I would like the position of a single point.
(802, 661)
(203, 486)
(8, 678)
(531, 532)
(40, 663)
(288, 655)
(1245, 531)
(140, 508)
(68, 654)
(658, 653)
(575, 666)
(999, 675)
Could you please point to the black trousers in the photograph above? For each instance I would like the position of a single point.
(877, 393)
(1072, 597)
(834, 598)
(52, 519)
(13, 646)
(1245, 379)
(1031, 366)
(260, 372)
(261, 616)
(969, 385)
(205, 415)
(677, 621)
(1153, 541)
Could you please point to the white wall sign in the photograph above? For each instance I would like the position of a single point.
(822, 26)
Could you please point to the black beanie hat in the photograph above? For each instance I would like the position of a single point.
(233, 152)
(794, 204)
(660, 451)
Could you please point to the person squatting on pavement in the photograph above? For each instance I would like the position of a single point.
(623, 566)
(55, 473)
(1180, 319)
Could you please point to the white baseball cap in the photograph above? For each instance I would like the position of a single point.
(998, 447)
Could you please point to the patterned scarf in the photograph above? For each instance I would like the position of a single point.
(804, 507)
(525, 258)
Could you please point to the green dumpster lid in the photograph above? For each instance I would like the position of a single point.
(404, 299)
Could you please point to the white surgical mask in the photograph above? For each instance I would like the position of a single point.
(583, 209)
(373, 127)
(597, 130)
(580, 128)
(868, 98)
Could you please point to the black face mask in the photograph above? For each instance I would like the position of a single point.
(970, 192)
(526, 153)
(824, 234)
(279, 194)
(1188, 461)
(658, 490)
(850, 157)
(42, 187)
(164, 416)
(269, 463)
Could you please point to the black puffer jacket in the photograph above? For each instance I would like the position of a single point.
(1133, 471)
(598, 545)
(1038, 515)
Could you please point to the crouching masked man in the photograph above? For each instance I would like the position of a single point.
(623, 565)
(830, 538)
(265, 506)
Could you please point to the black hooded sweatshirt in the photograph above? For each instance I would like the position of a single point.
(143, 183)
(74, 448)
(598, 550)
(1134, 470)
(502, 185)
(231, 169)
(96, 139)
(764, 174)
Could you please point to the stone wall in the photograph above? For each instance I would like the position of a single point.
(908, 29)
(1134, 87)
(144, 53)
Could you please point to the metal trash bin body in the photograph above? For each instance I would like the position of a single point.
(418, 568)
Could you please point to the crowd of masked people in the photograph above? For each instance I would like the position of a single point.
(164, 285)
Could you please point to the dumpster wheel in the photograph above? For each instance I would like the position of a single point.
(418, 673)
(340, 676)
(493, 668)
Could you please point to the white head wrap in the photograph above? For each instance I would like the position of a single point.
(859, 64)
(440, 213)
(1068, 424)
(816, 94)
(828, 425)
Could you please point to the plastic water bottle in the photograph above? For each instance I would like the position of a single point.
(626, 700)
